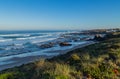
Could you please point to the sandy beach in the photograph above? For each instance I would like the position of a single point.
(29, 59)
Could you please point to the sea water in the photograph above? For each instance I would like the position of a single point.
(15, 44)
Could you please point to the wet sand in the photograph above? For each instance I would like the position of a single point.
(24, 60)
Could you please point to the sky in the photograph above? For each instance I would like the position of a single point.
(59, 14)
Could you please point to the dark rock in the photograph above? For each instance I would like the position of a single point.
(49, 45)
(65, 44)
(99, 37)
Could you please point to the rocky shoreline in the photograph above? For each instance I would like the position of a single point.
(28, 59)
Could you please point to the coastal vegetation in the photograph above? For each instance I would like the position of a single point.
(97, 61)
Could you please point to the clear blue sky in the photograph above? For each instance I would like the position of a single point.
(59, 14)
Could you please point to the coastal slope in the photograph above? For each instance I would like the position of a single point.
(100, 61)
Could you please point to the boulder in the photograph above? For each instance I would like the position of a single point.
(65, 44)
(49, 45)
(99, 37)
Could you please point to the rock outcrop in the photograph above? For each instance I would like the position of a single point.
(65, 44)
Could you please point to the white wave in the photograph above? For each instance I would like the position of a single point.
(4, 40)
(21, 38)
(34, 37)
(43, 40)
(5, 35)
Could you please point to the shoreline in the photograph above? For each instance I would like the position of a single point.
(31, 59)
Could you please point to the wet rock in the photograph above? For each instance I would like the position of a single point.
(99, 37)
(49, 45)
(65, 44)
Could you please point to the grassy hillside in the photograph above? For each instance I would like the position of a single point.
(98, 61)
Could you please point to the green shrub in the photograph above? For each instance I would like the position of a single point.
(61, 77)
(75, 57)
(8, 75)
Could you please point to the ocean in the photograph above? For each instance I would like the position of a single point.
(18, 44)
